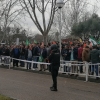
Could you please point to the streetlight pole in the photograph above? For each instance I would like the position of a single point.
(60, 30)
(60, 4)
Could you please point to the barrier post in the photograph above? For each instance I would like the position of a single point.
(87, 66)
(31, 64)
(9, 66)
(10, 62)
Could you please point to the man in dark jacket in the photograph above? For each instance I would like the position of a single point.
(66, 54)
(3, 50)
(95, 58)
(22, 55)
(7, 53)
(66, 57)
(16, 55)
(54, 59)
(0, 50)
(35, 54)
(75, 52)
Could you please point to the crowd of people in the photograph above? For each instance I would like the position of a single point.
(37, 52)
(71, 51)
(82, 52)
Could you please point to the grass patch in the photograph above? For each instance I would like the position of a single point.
(2, 97)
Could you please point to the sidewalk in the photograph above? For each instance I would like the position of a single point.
(23, 85)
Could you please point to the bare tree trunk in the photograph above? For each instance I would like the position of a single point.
(31, 6)
(45, 39)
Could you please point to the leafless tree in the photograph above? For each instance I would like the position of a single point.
(45, 9)
(10, 14)
(75, 10)
(72, 13)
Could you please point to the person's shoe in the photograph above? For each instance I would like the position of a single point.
(40, 70)
(63, 73)
(76, 75)
(22, 65)
(81, 71)
(29, 67)
(97, 78)
(33, 69)
(44, 69)
(17, 66)
(71, 74)
(53, 89)
(92, 73)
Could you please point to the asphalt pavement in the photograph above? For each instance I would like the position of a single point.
(22, 85)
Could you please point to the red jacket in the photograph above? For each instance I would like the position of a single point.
(80, 50)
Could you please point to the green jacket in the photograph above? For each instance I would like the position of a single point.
(95, 56)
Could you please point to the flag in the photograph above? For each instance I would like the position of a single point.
(80, 40)
(27, 42)
(99, 42)
(17, 41)
(35, 41)
(93, 41)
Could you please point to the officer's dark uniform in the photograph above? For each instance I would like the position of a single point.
(54, 59)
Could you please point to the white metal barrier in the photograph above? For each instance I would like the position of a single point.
(67, 67)
(5, 60)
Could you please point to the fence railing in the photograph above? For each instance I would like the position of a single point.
(66, 67)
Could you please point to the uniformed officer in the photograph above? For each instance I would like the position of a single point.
(54, 59)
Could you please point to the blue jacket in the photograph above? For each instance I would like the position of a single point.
(16, 53)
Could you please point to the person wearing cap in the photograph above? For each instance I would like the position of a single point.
(54, 59)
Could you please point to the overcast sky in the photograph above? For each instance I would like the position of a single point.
(28, 24)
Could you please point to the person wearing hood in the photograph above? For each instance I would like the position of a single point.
(95, 59)
(54, 60)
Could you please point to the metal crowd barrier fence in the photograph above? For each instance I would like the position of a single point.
(5, 60)
(95, 70)
(67, 67)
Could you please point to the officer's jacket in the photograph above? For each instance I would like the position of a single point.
(54, 58)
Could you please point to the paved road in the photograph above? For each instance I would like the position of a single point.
(33, 86)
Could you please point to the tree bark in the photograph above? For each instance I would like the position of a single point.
(45, 39)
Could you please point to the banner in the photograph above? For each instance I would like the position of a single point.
(99, 42)
(35, 41)
(93, 41)
(80, 40)
(27, 42)
(17, 41)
